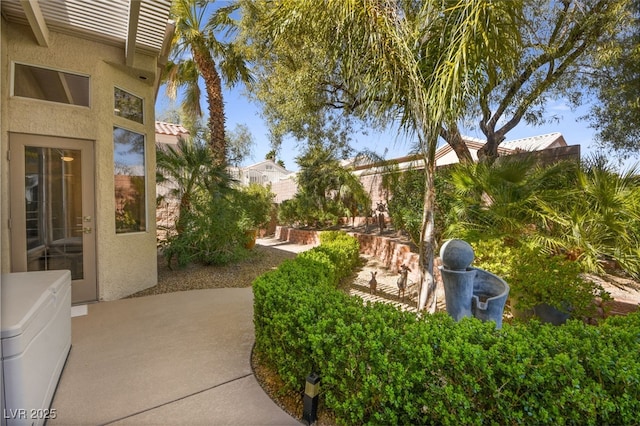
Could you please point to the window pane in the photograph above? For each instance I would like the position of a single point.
(129, 181)
(127, 105)
(50, 85)
(53, 198)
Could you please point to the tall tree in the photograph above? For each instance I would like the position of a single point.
(200, 50)
(239, 144)
(559, 42)
(616, 84)
(563, 44)
(415, 62)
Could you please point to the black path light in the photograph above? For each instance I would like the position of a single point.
(311, 391)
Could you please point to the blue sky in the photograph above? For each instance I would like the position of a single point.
(239, 110)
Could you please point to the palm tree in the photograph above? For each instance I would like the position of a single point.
(189, 169)
(418, 62)
(503, 198)
(198, 53)
(599, 220)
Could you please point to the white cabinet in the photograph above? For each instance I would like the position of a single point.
(36, 339)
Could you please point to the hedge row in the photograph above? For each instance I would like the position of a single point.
(379, 365)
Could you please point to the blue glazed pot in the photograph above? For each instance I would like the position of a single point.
(490, 294)
(458, 291)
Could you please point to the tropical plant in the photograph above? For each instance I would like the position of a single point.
(198, 52)
(429, 60)
(500, 199)
(186, 169)
(598, 220)
(352, 195)
(587, 213)
(327, 191)
(207, 228)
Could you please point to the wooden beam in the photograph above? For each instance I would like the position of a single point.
(36, 21)
(132, 32)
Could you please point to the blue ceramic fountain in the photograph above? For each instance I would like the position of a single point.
(470, 291)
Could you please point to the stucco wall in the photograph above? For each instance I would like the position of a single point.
(3, 49)
(4, 94)
(126, 263)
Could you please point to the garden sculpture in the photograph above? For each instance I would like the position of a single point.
(373, 283)
(470, 291)
(381, 208)
(402, 281)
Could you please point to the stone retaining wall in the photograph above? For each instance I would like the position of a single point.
(391, 253)
(297, 236)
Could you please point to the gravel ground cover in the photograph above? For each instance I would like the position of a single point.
(198, 277)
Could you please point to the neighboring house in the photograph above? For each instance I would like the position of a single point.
(268, 172)
(77, 135)
(263, 173)
(552, 144)
(169, 134)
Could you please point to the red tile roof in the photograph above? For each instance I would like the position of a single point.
(171, 129)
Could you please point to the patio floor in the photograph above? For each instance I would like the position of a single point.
(176, 358)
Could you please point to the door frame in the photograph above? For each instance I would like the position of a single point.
(83, 290)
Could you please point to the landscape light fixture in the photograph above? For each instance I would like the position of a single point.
(311, 391)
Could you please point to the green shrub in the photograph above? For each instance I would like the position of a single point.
(405, 208)
(210, 234)
(496, 256)
(379, 365)
(536, 278)
(303, 210)
(255, 203)
(343, 250)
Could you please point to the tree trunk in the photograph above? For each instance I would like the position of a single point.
(427, 299)
(489, 152)
(453, 137)
(207, 67)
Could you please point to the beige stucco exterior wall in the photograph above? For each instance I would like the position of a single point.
(3, 48)
(3, 113)
(126, 263)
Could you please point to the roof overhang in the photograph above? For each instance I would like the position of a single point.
(136, 26)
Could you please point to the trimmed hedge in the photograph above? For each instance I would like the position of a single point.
(379, 365)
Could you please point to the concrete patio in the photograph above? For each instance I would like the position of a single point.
(176, 358)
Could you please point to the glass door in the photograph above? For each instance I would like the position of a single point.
(52, 213)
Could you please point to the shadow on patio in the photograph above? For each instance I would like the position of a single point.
(175, 358)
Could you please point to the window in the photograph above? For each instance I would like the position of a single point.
(128, 106)
(129, 174)
(50, 85)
